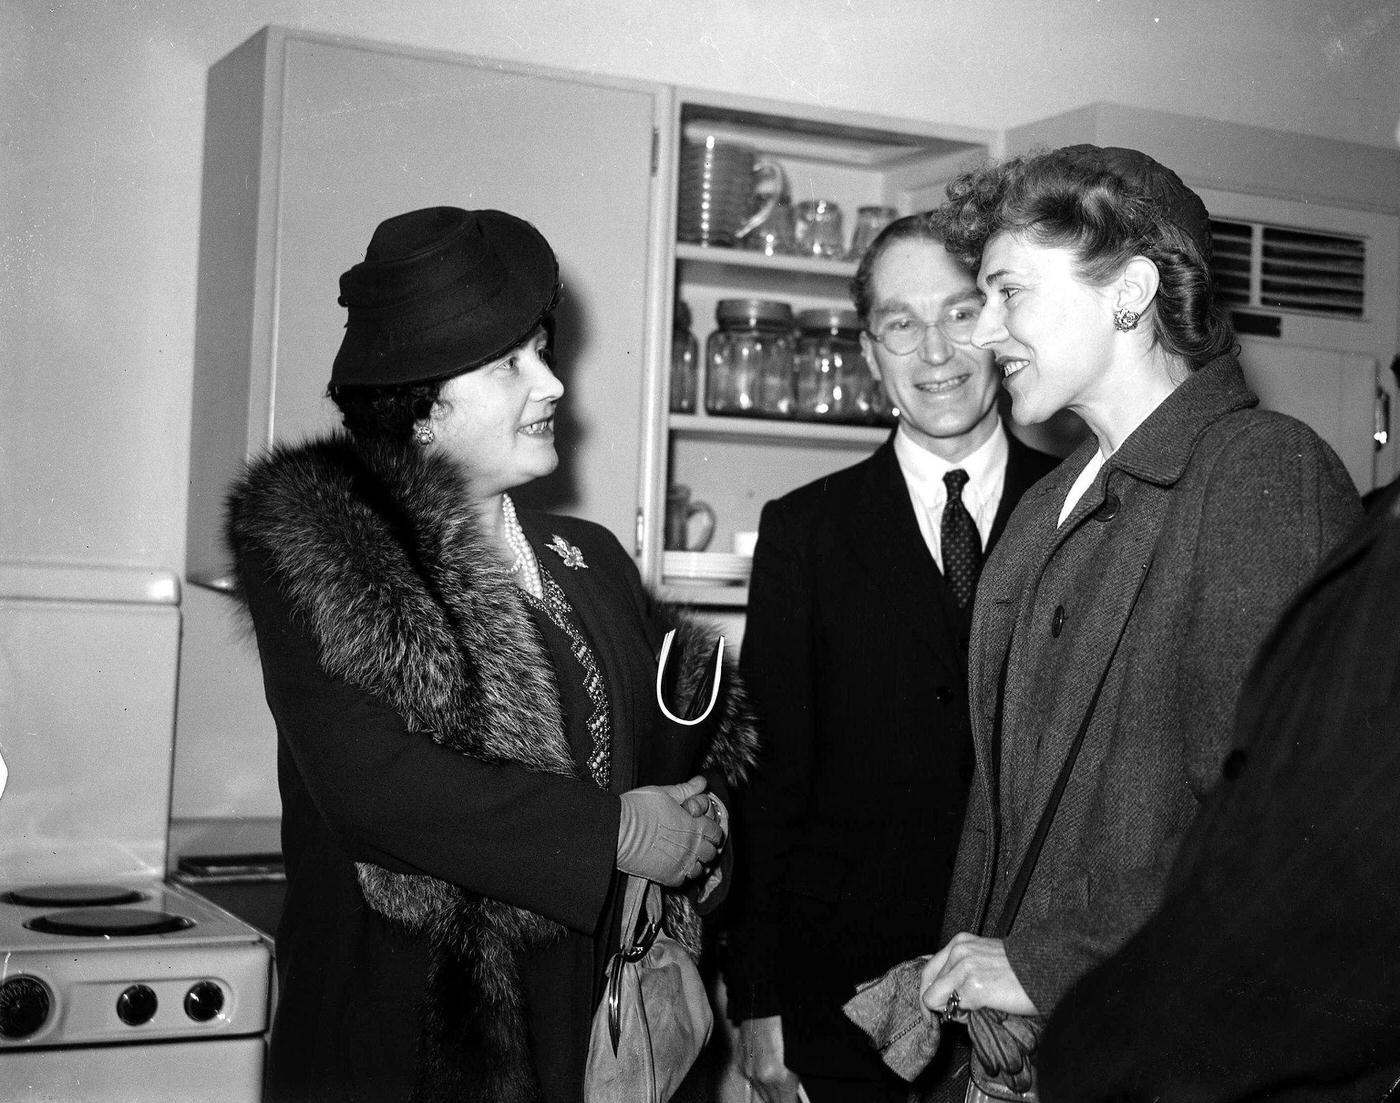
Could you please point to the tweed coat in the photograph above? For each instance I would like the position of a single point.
(855, 654)
(452, 895)
(1161, 583)
(1270, 971)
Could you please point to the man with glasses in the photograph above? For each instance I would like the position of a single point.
(855, 653)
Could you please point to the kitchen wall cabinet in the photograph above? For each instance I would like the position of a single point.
(312, 139)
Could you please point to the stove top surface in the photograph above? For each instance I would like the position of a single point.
(112, 915)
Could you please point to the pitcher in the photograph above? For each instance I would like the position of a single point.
(679, 512)
(726, 189)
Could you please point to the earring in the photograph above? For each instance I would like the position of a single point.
(423, 433)
(1125, 319)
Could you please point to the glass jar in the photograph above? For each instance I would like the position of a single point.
(748, 359)
(832, 376)
(685, 362)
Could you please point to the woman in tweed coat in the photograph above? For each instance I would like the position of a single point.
(1132, 585)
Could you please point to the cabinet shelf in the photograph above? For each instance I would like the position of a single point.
(758, 430)
(715, 263)
(705, 594)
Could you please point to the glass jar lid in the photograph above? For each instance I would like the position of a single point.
(765, 313)
(826, 320)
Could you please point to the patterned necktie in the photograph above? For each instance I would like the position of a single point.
(962, 545)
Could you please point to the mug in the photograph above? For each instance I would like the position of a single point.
(679, 511)
(775, 236)
(726, 190)
(869, 222)
(819, 232)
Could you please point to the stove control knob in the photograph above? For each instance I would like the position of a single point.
(136, 1005)
(24, 1006)
(204, 1001)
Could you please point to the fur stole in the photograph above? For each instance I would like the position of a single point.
(379, 555)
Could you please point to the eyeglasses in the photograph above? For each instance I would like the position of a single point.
(903, 333)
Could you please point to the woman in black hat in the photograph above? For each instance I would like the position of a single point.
(470, 749)
(1115, 619)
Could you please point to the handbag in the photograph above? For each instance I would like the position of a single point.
(654, 1017)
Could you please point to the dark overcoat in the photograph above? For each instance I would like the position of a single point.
(1160, 584)
(451, 890)
(1270, 971)
(855, 656)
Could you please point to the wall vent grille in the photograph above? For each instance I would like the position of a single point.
(1275, 268)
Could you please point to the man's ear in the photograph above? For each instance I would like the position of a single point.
(867, 348)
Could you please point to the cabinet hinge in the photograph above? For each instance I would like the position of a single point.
(641, 530)
(655, 148)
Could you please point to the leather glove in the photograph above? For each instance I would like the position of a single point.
(657, 838)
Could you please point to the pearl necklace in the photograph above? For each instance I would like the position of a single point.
(525, 567)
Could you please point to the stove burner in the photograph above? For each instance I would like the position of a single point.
(72, 896)
(117, 922)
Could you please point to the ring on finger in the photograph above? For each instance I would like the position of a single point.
(954, 1005)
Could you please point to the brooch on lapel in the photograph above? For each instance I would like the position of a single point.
(572, 557)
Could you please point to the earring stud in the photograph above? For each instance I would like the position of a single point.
(1125, 319)
(423, 434)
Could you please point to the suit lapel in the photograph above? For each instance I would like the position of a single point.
(594, 596)
(884, 540)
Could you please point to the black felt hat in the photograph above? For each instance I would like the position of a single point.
(441, 291)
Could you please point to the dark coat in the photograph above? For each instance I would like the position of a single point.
(440, 835)
(855, 655)
(1271, 970)
(1182, 553)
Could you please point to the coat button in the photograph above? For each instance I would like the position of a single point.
(1057, 622)
(1233, 766)
(943, 695)
(1109, 509)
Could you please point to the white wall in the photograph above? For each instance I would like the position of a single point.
(101, 108)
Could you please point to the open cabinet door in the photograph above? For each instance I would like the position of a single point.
(312, 140)
(1332, 391)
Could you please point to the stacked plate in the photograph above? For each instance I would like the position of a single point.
(711, 567)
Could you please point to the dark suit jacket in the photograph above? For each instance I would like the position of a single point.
(855, 657)
(1271, 971)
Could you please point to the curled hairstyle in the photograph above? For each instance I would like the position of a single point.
(913, 227)
(1104, 221)
(385, 413)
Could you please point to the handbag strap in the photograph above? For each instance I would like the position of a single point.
(642, 899)
(1022, 879)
